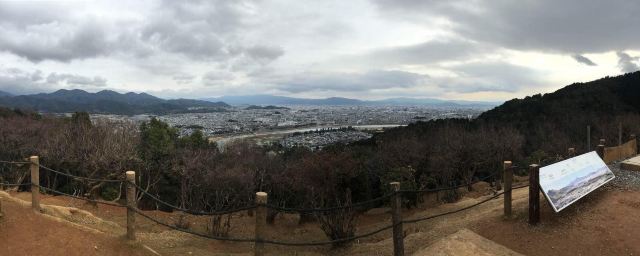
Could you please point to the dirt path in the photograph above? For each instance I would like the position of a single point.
(606, 222)
(603, 223)
(23, 232)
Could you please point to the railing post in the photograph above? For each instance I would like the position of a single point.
(35, 183)
(508, 178)
(600, 151)
(396, 218)
(534, 194)
(131, 204)
(261, 222)
(619, 134)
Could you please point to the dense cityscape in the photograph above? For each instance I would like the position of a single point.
(296, 125)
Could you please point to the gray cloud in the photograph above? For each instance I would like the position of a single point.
(217, 78)
(429, 52)
(54, 42)
(490, 77)
(183, 78)
(76, 80)
(337, 81)
(572, 26)
(18, 81)
(471, 77)
(198, 30)
(626, 63)
(19, 13)
(264, 53)
(583, 60)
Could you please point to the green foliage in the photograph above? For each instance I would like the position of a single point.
(195, 140)
(405, 175)
(158, 140)
(109, 193)
(536, 157)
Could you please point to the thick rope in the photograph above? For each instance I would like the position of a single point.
(81, 198)
(343, 240)
(78, 177)
(249, 207)
(311, 210)
(461, 209)
(13, 162)
(16, 184)
(448, 188)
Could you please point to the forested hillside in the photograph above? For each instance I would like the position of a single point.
(555, 121)
(108, 102)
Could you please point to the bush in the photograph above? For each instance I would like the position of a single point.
(110, 193)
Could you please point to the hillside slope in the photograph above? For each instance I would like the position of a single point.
(552, 122)
(555, 121)
(109, 102)
(609, 95)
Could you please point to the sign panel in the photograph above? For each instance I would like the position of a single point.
(565, 182)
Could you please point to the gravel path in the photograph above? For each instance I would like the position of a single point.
(625, 179)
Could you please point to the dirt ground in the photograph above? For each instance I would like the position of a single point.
(603, 223)
(606, 222)
(23, 232)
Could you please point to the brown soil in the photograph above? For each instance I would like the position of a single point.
(606, 222)
(24, 232)
(603, 223)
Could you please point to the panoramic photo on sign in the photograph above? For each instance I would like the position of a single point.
(565, 182)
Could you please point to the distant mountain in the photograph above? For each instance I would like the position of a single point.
(282, 100)
(270, 107)
(5, 94)
(108, 102)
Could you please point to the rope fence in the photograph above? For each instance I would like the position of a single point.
(79, 177)
(14, 162)
(131, 207)
(15, 184)
(449, 188)
(464, 208)
(158, 200)
(81, 198)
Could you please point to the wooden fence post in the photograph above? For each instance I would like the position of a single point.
(508, 179)
(534, 194)
(261, 223)
(35, 183)
(396, 218)
(619, 134)
(600, 151)
(131, 204)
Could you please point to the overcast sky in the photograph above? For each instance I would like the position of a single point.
(368, 49)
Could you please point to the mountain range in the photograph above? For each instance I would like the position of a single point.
(262, 99)
(5, 94)
(108, 102)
